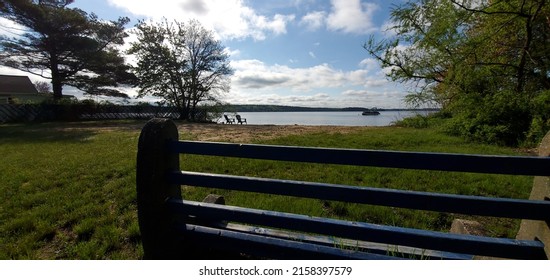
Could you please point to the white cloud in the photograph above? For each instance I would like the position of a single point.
(312, 54)
(195, 6)
(369, 64)
(4, 70)
(299, 99)
(348, 16)
(386, 98)
(313, 100)
(314, 20)
(376, 83)
(256, 82)
(233, 53)
(353, 92)
(262, 80)
(255, 74)
(352, 16)
(10, 29)
(388, 29)
(258, 25)
(231, 19)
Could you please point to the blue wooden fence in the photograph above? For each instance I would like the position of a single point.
(203, 225)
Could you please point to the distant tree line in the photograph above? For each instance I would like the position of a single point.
(282, 108)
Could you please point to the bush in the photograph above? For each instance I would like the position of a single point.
(423, 121)
(418, 121)
(503, 118)
(540, 123)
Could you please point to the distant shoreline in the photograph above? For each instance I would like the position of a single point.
(280, 108)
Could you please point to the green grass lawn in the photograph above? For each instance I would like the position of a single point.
(69, 193)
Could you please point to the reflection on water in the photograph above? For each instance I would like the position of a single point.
(326, 118)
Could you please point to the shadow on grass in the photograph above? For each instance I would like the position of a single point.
(42, 132)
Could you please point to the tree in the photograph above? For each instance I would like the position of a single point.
(181, 63)
(42, 87)
(66, 45)
(485, 62)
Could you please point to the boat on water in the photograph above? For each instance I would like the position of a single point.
(370, 112)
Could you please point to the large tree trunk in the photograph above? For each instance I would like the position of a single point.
(57, 85)
(57, 88)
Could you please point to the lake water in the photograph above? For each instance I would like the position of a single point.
(326, 118)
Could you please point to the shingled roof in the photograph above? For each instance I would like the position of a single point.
(16, 85)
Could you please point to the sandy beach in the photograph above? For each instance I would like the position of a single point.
(217, 132)
(247, 133)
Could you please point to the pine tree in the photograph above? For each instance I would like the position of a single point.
(66, 45)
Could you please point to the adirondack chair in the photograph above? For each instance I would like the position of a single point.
(240, 120)
(228, 120)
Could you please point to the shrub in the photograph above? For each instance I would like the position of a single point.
(502, 118)
(424, 121)
(540, 123)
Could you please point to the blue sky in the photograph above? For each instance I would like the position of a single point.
(284, 52)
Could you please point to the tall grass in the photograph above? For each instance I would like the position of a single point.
(69, 193)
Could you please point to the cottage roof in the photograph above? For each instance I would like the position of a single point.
(16, 85)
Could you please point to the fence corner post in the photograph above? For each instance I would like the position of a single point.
(153, 162)
(529, 229)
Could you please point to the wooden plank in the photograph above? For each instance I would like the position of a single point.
(270, 247)
(363, 246)
(513, 165)
(461, 204)
(467, 244)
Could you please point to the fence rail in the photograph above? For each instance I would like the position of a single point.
(172, 227)
(76, 112)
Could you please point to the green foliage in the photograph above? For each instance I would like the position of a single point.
(418, 121)
(500, 118)
(182, 63)
(540, 124)
(486, 63)
(66, 45)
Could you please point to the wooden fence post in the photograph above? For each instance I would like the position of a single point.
(529, 229)
(153, 162)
